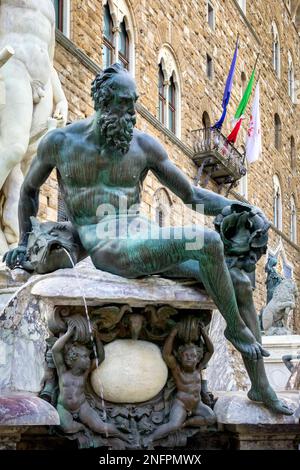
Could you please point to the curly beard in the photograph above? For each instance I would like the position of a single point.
(117, 130)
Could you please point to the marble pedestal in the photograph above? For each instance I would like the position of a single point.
(31, 314)
(251, 426)
(279, 346)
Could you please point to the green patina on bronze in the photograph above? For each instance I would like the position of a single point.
(103, 160)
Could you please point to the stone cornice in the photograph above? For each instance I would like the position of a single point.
(247, 22)
(67, 44)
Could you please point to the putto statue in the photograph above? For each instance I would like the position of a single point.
(31, 94)
(101, 164)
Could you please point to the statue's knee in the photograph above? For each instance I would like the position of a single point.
(213, 242)
(243, 286)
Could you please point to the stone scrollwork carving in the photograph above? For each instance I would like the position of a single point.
(174, 412)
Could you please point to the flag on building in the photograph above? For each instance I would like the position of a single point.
(234, 133)
(228, 88)
(245, 99)
(239, 115)
(254, 144)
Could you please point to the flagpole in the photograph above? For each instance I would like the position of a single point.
(256, 60)
(228, 87)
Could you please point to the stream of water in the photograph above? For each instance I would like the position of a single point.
(82, 293)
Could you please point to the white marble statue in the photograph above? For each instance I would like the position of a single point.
(30, 97)
(277, 315)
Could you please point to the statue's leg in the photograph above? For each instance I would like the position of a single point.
(203, 416)
(143, 256)
(67, 423)
(260, 390)
(41, 113)
(16, 116)
(15, 122)
(11, 190)
(260, 387)
(90, 418)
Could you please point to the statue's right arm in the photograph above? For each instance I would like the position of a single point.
(40, 169)
(167, 352)
(58, 348)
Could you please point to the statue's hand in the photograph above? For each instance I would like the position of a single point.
(61, 113)
(16, 257)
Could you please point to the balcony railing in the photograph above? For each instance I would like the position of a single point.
(216, 157)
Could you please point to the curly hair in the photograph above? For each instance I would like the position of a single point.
(100, 90)
(71, 352)
(184, 347)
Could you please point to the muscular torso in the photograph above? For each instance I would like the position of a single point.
(71, 391)
(90, 177)
(189, 387)
(27, 26)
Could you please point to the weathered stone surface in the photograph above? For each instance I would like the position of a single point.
(278, 346)
(23, 330)
(225, 371)
(132, 372)
(25, 409)
(236, 408)
(64, 288)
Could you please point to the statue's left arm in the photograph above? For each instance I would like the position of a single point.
(172, 177)
(209, 349)
(60, 111)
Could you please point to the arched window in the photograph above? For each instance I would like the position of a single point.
(118, 35)
(123, 46)
(206, 126)
(277, 128)
(62, 16)
(293, 153)
(291, 78)
(169, 112)
(293, 225)
(277, 205)
(108, 38)
(172, 105)
(161, 95)
(276, 50)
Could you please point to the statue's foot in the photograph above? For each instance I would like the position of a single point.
(244, 341)
(269, 398)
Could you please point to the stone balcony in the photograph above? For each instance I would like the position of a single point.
(217, 158)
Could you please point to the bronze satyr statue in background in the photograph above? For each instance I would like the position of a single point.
(102, 161)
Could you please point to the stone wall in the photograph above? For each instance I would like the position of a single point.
(183, 26)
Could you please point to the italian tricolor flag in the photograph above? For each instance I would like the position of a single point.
(241, 109)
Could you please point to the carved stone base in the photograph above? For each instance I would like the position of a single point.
(147, 310)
